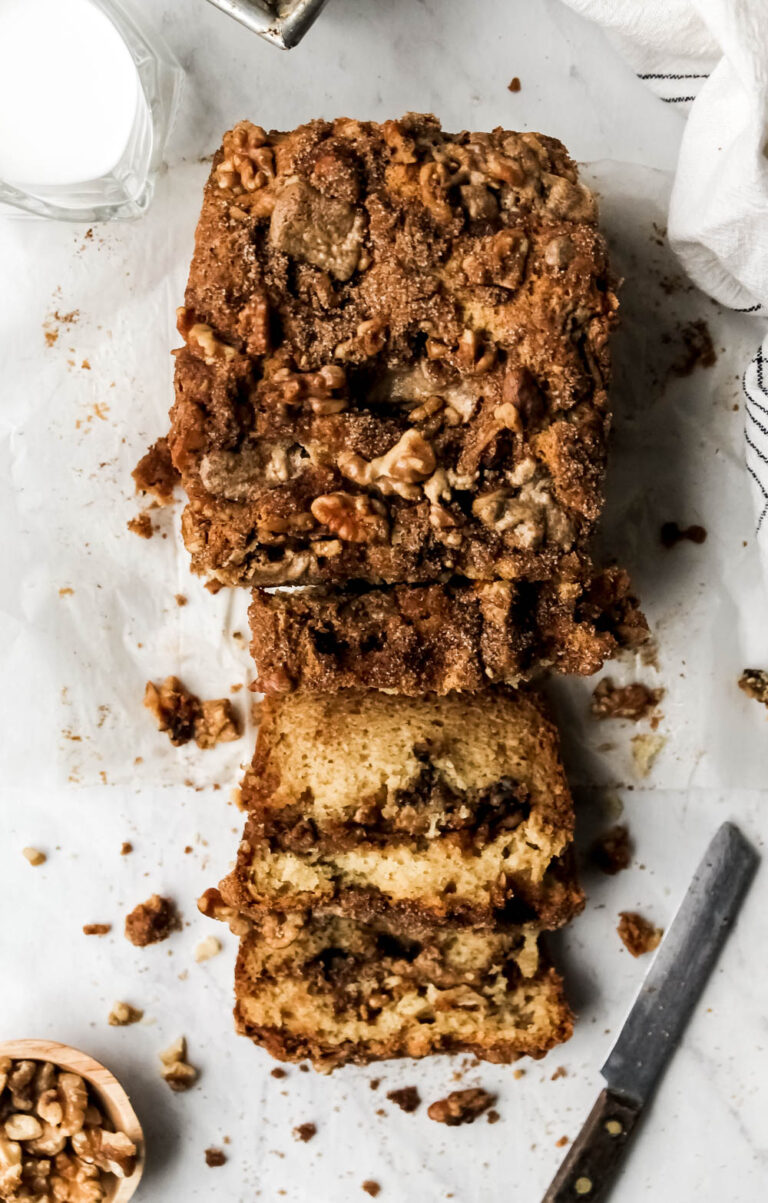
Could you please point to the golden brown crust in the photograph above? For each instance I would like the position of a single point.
(395, 359)
(412, 639)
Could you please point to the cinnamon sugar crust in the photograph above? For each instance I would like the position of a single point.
(395, 357)
(412, 639)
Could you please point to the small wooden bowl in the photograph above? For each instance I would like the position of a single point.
(109, 1094)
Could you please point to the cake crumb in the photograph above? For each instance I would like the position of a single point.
(207, 948)
(180, 599)
(123, 1014)
(610, 852)
(96, 929)
(152, 921)
(126, 848)
(184, 717)
(371, 1188)
(560, 1072)
(66, 591)
(754, 683)
(156, 474)
(461, 1106)
(141, 525)
(213, 586)
(518, 1074)
(493, 1116)
(375, 1083)
(645, 751)
(34, 856)
(637, 934)
(634, 701)
(514, 84)
(671, 534)
(698, 349)
(561, 1143)
(407, 1098)
(277, 1072)
(215, 1157)
(305, 1132)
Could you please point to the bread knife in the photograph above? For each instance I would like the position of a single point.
(658, 1017)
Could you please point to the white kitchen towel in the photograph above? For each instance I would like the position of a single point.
(710, 59)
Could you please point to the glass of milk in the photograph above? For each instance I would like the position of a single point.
(87, 100)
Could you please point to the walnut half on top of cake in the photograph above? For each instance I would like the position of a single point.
(395, 357)
(446, 809)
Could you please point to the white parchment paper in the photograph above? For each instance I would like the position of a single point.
(89, 615)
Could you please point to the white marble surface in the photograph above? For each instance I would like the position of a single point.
(677, 455)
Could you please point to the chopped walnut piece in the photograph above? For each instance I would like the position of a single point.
(152, 921)
(21, 1085)
(10, 1167)
(212, 905)
(634, 701)
(112, 1152)
(215, 1157)
(123, 1014)
(22, 1126)
(637, 934)
(354, 519)
(754, 683)
(185, 717)
(611, 851)
(34, 856)
(401, 470)
(176, 1071)
(207, 948)
(96, 929)
(461, 1106)
(156, 474)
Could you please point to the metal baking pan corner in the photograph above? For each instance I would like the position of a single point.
(283, 22)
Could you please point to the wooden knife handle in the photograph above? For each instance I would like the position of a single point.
(594, 1157)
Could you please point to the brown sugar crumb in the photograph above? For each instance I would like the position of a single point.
(141, 525)
(698, 349)
(126, 848)
(561, 1143)
(637, 934)
(34, 856)
(754, 683)
(634, 701)
(493, 1116)
(305, 1132)
(277, 1072)
(184, 717)
(371, 1188)
(610, 852)
(156, 474)
(672, 534)
(514, 84)
(215, 1157)
(560, 1072)
(123, 1014)
(461, 1106)
(96, 929)
(152, 921)
(407, 1098)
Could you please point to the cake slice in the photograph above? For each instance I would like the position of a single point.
(395, 357)
(418, 639)
(449, 809)
(339, 991)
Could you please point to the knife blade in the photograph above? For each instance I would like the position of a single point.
(658, 1016)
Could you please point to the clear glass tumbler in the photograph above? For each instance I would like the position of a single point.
(88, 97)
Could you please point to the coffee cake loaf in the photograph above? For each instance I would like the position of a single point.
(338, 991)
(418, 639)
(395, 358)
(447, 809)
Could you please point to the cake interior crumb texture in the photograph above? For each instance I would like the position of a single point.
(395, 358)
(451, 808)
(338, 991)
